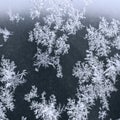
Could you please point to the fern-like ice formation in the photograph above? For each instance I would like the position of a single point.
(23, 118)
(9, 80)
(98, 73)
(46, 109)
(106, 36)
(60, 19)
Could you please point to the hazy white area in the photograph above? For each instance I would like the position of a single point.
(108, 7)
(18, 5)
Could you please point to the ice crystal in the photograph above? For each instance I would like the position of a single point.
(9, 80)
(95, 83)
(32, 94)
(77, 111)
(5, 33)
(100, 40)
(97, 77)
(61, 19)
(14, 17)
(46, 110)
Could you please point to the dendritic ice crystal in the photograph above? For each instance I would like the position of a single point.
(9, 80)
(97, 75)
(61, 19)
(5, 34)
(46, 109)
(55, 21)
(106, 36)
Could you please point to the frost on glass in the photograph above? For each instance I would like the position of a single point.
(45, 109)
(60, 19)
(97, 75)
(9, 80)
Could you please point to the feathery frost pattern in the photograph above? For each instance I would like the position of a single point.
(9, 80)
(55, 21)
(97, 77)
(106, 36)
(46, 110)
(61, 20)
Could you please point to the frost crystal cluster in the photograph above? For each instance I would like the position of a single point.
(55, 21)
(14, 17)
(106, 36)
(9, 80)
(51, 33)
(46, 109)
(98, 73)
(5, 34)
